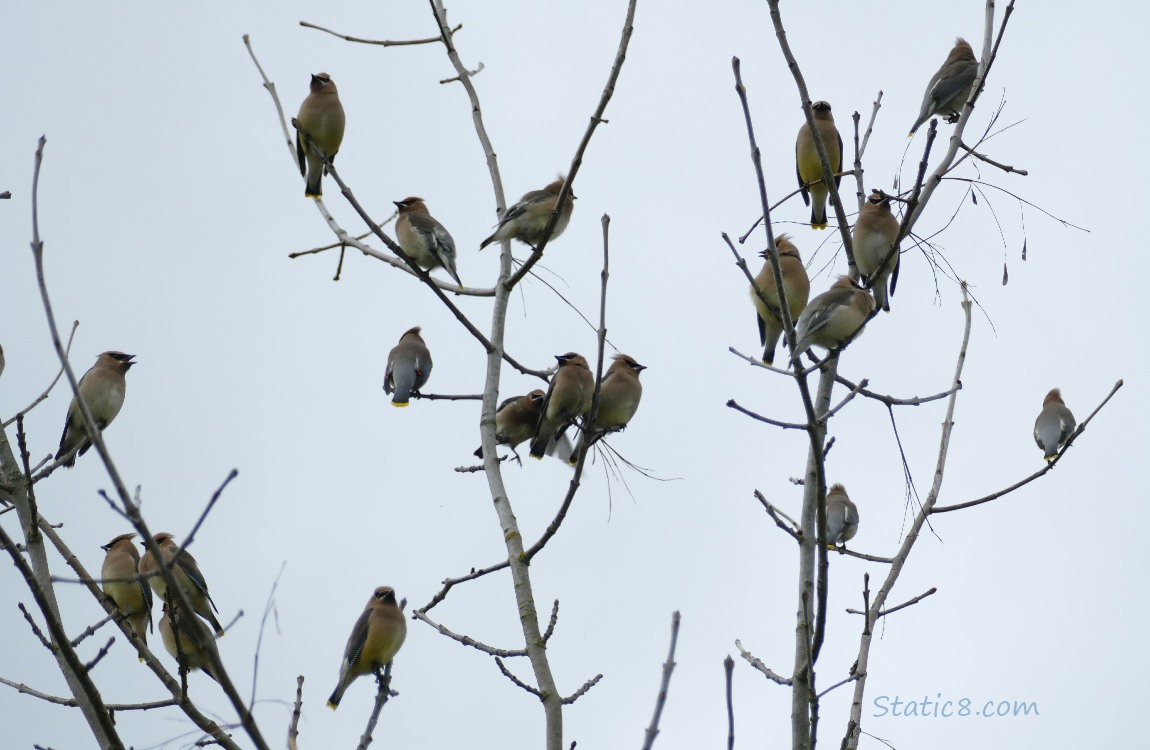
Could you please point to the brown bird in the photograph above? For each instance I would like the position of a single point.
(1054, 426)
(809, 167)
(374, 641)
(423, 238)
(874, 235)
(121, 581)
(833, 317)
(195, 644)
(515, 421)
(796, 285)
(619, 396)
(526, 220)
(408, 367)
(103, 389)
(187, 574)
(568, 398)
(949, 88)
(321, 117)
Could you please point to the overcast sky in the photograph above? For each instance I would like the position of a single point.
(169, 205)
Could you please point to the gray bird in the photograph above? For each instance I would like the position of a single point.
(950, 87)
(408, 367)
(526, 220)
(833, 317)
(423, 238)
(187, 574)
(796, 286)
(619, 396)
(1054, 425)
(568, 398)
(808, 166)
(321, 117)
(842, 517)
(102, 388)
(374, 641)
(874, 233)
(195, 644)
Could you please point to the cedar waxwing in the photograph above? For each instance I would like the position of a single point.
(423, 238)
(103, 390)
(374, 641)
(133, 597)
(516, 420)
(796, 285)
(810, 168)
(568, 398)
(188, 577)
(619, 396)
(1054, 425)
(832, 317)
(950, 86)
(842, 517)
(408, 367)
(874, 232)
(321, 117)
(195, 642)
(526, 220)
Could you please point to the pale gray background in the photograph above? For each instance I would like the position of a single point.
(168, 208)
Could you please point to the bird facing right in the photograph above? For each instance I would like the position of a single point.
(568, 398)
(809, 167)
(833, 317)
(102, 388)
(619, 396)
(120, 580)
(796, 286)
(375, 639)
(526, 220)
(949, 88)
(874, 234)
(408, 367)
(842, 517)
(321, 117)
(186, 573)
(423, 238)
(1054, 425)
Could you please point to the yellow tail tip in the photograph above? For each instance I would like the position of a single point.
(910, 134)
(537, 458)
(400, 404)
(819, 226)
(332, 706)
(317, 196)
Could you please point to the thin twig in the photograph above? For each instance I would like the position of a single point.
(379, 42)
(664, 685)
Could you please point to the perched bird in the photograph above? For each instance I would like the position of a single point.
(424, 238)
(567, 399)
(949, 88)
(187, 574)
(408, 367)
(832, 317)
(809, 167)
(1054, 425)
(842, 517)
(122, 582)
(195, 645)
(516, 420)
(619, 396)
(874, 233)
(103, 390)
(796, 285)
(374, 641)
(321, 117)
(526, 220)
